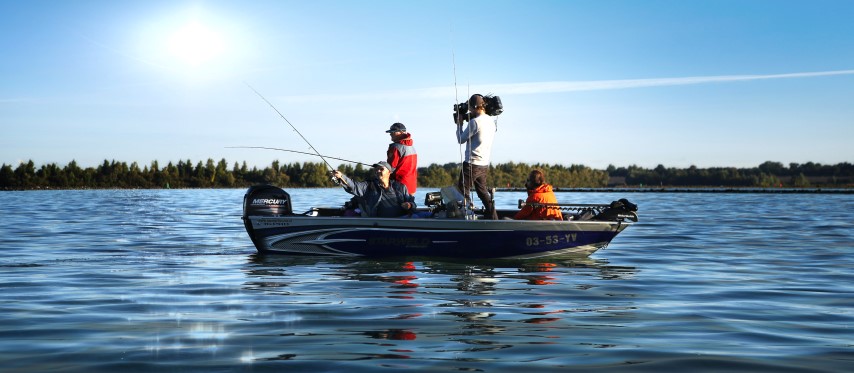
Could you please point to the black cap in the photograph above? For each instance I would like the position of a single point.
(384, 164)
(396, 127)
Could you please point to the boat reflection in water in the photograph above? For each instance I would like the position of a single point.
(418, 309)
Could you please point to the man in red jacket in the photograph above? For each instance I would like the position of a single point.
(402, 156)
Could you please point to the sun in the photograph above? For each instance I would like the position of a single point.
(195, 44)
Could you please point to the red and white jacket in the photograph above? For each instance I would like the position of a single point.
(402, 156)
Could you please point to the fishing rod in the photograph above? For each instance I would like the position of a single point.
(458, 117)
(295, 151)
(297, 131)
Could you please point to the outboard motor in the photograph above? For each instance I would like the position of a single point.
(264, 200)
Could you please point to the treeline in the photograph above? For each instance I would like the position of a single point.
(211, 174)
(768, 174)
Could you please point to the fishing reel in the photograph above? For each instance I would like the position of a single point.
(338, 180)
(493, 108)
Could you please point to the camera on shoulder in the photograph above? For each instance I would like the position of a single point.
(493, 108)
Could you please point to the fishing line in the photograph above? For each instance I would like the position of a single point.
(295, 130)
(295, 151)
(292, 126)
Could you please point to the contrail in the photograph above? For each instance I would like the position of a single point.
(560, 86)
(594, 85)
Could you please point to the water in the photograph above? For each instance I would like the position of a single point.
(167, 280)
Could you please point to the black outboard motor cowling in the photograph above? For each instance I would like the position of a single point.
(266, 200)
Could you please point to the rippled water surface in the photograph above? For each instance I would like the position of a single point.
(167, 280)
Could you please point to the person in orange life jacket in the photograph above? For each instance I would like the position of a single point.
(539, 192)
(478, 137)
(379, 197)
(402, 157)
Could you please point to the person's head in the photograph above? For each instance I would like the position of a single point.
(396, 129)
(477, 105)
(382, 170)
(535, 179)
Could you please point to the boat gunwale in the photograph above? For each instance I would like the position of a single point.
(440, 223)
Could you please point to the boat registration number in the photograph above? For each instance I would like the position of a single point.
(551, 239)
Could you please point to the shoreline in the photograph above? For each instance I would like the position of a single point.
(696, 190)
(733, 190)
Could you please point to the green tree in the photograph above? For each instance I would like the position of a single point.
(434, 176)
(315, 175)
(800, 181)
(7, 177)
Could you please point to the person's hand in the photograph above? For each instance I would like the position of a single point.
(338, 178)
(406, 206)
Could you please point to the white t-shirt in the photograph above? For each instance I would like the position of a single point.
(478, 136)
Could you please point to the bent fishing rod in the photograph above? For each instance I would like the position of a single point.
(297, 131)
(295, 151)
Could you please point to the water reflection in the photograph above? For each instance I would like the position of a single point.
(395, 306)
(394, 334)
(279, 275)
(403, 279)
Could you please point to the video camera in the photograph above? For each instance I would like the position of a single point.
(493, 108)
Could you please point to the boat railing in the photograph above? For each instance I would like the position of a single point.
(565, 206)
(587, 211)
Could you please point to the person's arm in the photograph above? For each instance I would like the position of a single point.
(463, 135)
(408, 203)
(393, 156)
(526, 211)
(348, 184)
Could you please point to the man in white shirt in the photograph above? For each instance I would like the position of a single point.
(478, 136)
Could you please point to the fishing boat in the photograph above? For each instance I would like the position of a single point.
(443, 228)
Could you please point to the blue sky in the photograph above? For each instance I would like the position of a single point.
(678, 83)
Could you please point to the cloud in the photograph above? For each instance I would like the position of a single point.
(12, 100)
(594, 85)
(558, 86)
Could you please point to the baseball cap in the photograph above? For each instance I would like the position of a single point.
(396, 127)
(384, 164)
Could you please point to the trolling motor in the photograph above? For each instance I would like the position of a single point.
(493, 108)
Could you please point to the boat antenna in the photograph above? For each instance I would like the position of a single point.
(294, 151)
(295, 130)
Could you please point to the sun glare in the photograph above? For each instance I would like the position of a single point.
(195, 44)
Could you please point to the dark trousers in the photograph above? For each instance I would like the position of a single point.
(476, 175)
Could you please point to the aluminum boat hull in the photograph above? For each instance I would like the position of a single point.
(374, 237)
(275, 229)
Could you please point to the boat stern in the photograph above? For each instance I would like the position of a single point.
(264, 200)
